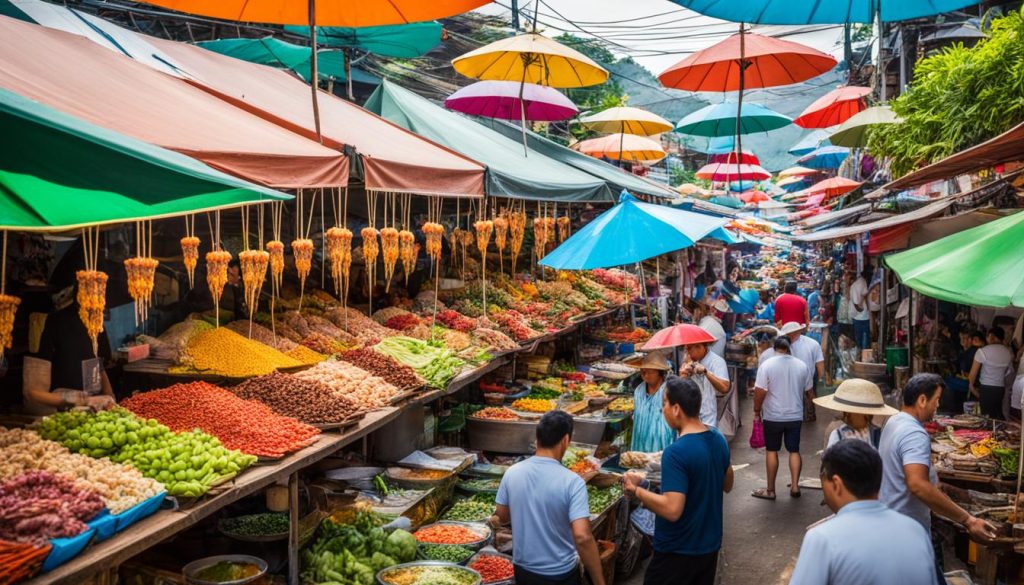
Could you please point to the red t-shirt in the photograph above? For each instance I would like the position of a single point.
(789, 308)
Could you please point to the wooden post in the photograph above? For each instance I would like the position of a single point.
(293, 529)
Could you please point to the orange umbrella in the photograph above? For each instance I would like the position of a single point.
(834, 108)
(622, 147)
(754, 196)
(833, 187)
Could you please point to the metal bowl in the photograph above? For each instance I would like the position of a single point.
(189, 570)
(481, 529)
(381, 580)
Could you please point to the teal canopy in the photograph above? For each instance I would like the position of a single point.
(510, 171)
(401, 40)
(58, 172)
(284, 55)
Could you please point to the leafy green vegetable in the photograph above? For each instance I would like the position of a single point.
(437, 365)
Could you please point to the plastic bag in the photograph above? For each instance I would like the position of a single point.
(757, 434)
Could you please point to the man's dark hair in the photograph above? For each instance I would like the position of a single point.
(781, 344)
(998, 333)
(790, 287)
(857, 464)
(684, 393)
(867, 273)
(552, 427)
(979, 335)
(921, 385)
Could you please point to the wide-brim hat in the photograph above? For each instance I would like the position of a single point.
(652, 361)
(792, 327)
(721, 305)
(857, 396)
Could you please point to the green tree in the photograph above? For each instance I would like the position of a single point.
(596, 97)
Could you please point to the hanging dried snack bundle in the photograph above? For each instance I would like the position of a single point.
(276, 250)
(483, 229)
(389, 247)
(434, 233)
(302, 249)
(8, 307)
(406, 251)
(254, 273)
(500, 232)
(92, 299)
(370, 246)
(141, 272)
(517, 229)
(563, 228)
(190, 256)
(540, 236)
(217, 273)
(339, 255)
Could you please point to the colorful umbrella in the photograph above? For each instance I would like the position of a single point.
(812, 201)
(628, 121)
(722, 172)
(500, 99)
(676, 335)
(727, 201)
(833, 187)
(741, 186)
(821, 11)
(628, 147)
(854, 132)
(720, 144)
(796, 172)
(281, 55)
(833, 108)
(403, 41)
(721, 120)
(826, 157)
(629, 232)
(754, 197)
(747, 158)
(791, 184)
(810, 142)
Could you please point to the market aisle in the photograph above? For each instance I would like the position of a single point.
(762, 538)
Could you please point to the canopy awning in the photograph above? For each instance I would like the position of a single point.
(76, 76)
(393, 158)
(510, 172)
(58, 173)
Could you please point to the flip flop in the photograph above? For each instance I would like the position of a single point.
(794, 494)
(763, 494)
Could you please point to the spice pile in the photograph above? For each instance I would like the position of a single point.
(356, 384)
(37, 506)
(306, 400)
(226, 353)
(305, 355)
(397, 374)
(492, 568)
(245, 425)
(448, 534)
(538, 405)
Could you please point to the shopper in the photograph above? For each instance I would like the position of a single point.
(707, 317)
(908, 478)
(695, 473)
(859, 310)
(782, 382)
(859, 401)
(1017, 391)
(987, 378)
(711, 374)
(791, 307)
(550, 513)
(846, 549)
(650, 431)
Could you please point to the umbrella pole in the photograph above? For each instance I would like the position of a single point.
(348, 73)
(739, 106)
(647, 297)
(522, 110)
(622, 137)
(314, 81)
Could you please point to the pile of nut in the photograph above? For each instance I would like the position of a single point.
(394, 372)
(306, 400)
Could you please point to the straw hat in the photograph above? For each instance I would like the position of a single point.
(857, 396)
(652, 361)
(721, 305)
(792, 327)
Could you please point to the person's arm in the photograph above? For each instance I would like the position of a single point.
(973, 376)
(720, 385)
(759, 396)
(36, 385)
(503, 515)
(938, 502)
(807, 313)
(586, 547)
(668, 505)
(812, 564)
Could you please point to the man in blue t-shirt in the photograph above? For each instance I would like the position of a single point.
(695, 472)
(550, 513)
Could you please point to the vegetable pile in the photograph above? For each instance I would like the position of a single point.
(394, 372)
(492, 568)
(429, 576)
(226, 353)
(248, 426)
(306, 400)
(470, 510)
(356, 384)
(20, 561)
(266, 524)
(351, 554)
(447, 534)
(435, 364)
(442, 552)
(601, 498)
(38, 505)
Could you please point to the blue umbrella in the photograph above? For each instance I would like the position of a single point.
(718, 145)
(720, 120)
(630, 232)
(741, 186)
(826, 157)
(820, 11)
(795, 186)
(810, 142)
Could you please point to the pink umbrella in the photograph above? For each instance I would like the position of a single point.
(720, 172)
(754, 196)
(833, 187)
(681, 334)
(813, 201)
(833, 108)
(748, 158)
(500, 99)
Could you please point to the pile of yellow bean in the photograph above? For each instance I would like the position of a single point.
(226, 353)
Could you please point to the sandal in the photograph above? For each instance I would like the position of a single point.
(795, 494)
(763, 494)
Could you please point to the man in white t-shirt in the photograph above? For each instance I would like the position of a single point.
(859, 311)
(988, 374)
(782, 383)
(711, 374)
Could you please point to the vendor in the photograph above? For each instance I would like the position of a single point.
(66, 373)
(859, 401)
(711, 373)
(707, 318)
(650, 431)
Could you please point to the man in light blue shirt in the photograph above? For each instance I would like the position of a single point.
(550, 513)
(849, 548)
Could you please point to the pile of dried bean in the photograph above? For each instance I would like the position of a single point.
(396, 373)
(38, 505)
(307, 400)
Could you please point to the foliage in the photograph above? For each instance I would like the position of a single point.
(679, 175)
(596, 97)
(959, 97)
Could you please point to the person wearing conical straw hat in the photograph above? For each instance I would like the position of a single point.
(650, 431)
(859, 401)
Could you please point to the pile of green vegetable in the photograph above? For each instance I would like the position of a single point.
(601, 498)
(432, 361)
(470, 510)
(270, 523)
(1008, 461)
(445, 552)
(352, 553)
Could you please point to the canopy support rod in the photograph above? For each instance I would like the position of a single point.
(739, 107)
(314, 82)
(522, 104)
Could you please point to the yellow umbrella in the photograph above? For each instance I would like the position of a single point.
(797, 172)
(622, 147)
(627, 120)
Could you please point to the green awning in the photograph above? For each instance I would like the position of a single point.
(58, 172)
(617, 179)
(283, 55)
(510, 172)
(982, 266)
(404, 41)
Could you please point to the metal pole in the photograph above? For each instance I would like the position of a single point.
(515, 15)
(882, 313)
(314, 82)
(881, 61)
(348, 73)
(739, 108)
(910, 332)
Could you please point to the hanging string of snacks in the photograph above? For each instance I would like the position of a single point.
(92, 288)
(275, 247)
(141, 271)
(254, 264)
(217, 261)
(339, 246)
(483, 228)
(8, 304)
(517, 229)
(540, 234)
(500, 224)
(190, 249)
(302, 246)
(407, 247)
(563, 227)
(371, 249)
(389, 242)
